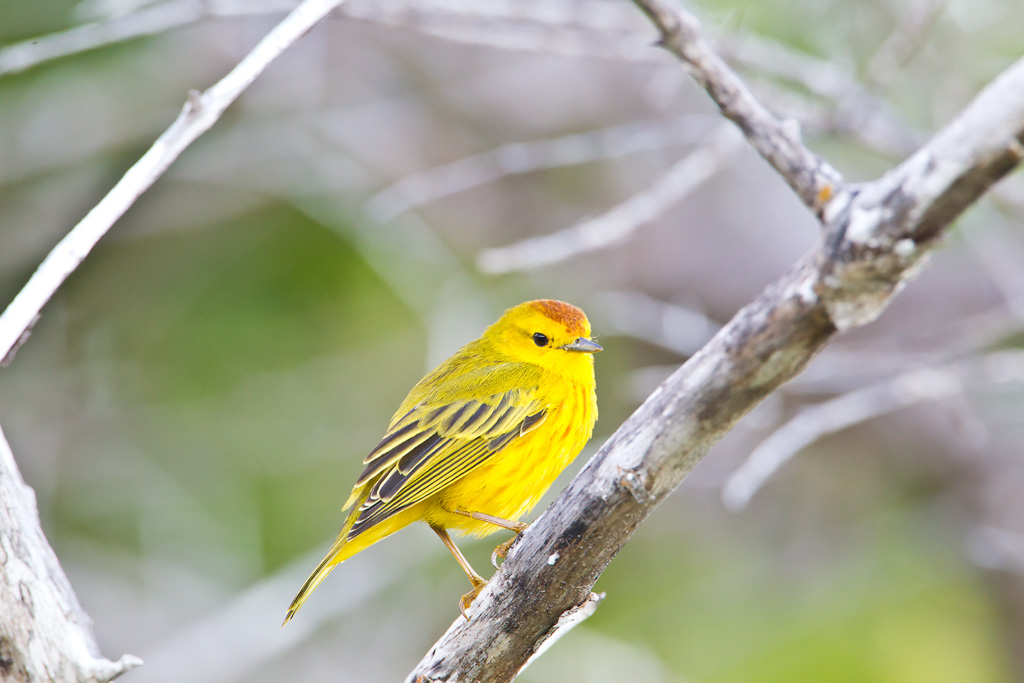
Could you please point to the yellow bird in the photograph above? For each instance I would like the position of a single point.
(478, 441)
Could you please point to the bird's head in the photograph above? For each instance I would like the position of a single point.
(552, 334)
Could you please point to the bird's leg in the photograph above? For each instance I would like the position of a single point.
(502, 550)
(478, 581)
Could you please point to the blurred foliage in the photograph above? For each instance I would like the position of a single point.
(195, 402)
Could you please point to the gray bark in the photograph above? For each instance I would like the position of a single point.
(45, 635)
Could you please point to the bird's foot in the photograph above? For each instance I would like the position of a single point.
(502, 550)
(467, 600)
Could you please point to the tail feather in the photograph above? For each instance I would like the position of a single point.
(318, 575)
(335, 555)
(345, 547)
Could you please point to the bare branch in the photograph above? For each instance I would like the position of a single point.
(616, 225)
(46, 635)
(903, 43)
(198, 652)
(676, 328)
(875, 239)
(144, 22)
(518, 158)
(201, 111)
(828, 417)
(848, 108)
(812, 178)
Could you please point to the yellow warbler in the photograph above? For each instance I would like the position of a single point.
(479, 440)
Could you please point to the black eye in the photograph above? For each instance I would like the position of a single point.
(539, 339)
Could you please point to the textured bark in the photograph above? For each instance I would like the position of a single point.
(44, 633)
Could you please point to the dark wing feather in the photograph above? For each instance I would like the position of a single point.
(431, 446)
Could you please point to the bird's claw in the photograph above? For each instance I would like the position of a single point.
(502, 550)
(467, 600)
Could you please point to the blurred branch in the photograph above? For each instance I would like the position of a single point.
(577, 29)
(199, 652)
(606, 31)
(518, 158)
(201, 111)
(45, 635)
(902, 44)
(848, 106)
(601, 31)
(812, 178)
(876, 237)
(676, 328)
(598, 30)
(144, 22)
(139, 22)
(616, 225)
(828, 417)
(995, 548)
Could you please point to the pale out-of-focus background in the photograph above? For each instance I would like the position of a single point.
(195, 403)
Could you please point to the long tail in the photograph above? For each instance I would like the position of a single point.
(334, 556)
(320, 573)
(344, 548)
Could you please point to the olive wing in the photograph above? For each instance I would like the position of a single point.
(435, 444)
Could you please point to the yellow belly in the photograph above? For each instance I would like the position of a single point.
(512, 481)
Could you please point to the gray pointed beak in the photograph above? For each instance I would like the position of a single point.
(584, 345)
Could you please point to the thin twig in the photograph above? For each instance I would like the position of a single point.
(518, 158)
(902, 44)
(813, 179)
(143, 22)
(616, 225)
(828, 417)
(670, 326)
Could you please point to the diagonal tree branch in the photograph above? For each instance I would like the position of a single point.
(876, 236)
(201, 111)
(147, 21)
(811, 177)
(618, 223)
(515, 158)
(813, 422)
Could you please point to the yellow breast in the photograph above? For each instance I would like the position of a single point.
(511, 483)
